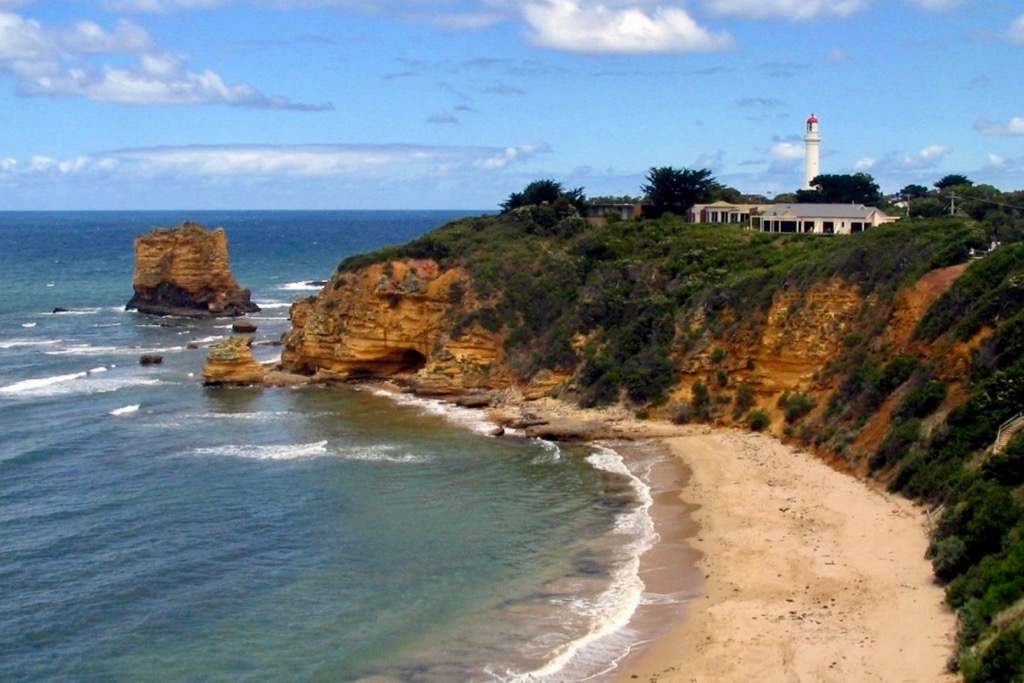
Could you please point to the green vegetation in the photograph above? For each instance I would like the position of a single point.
(758, 420)
(675, 190)
(859, 188)
(622, 304)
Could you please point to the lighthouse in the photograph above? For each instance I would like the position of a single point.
(812, 158)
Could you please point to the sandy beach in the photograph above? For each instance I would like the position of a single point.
(809, 574)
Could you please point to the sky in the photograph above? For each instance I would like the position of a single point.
(455, 104)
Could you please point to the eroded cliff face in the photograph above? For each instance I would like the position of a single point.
(402, 320)
(184, 271)
(395, 319)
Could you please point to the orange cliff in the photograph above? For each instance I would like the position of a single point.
(184, 271)
(395, 320)
(411, 321)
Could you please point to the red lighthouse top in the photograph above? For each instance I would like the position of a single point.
(813, 119)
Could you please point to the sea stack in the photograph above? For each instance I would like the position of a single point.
(184, 271)
(230, 363)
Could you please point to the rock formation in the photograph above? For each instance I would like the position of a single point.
(230, 363)
(184, 271)
(394, 319)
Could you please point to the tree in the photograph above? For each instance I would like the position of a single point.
(952, 181)
(723, 193)
(914, 191)
(859, 188)
(676, 190)
(545, 192)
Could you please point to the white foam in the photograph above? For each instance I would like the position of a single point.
(209, 340)
(17, 343)
(125, 410)
(470, 418)
(280, 452)
(271, 305)
(73, 383)
(29, 324)
(79, 311)
(260, 416)
(90, 350)
(303, 286)
(101, 368)
(609, 612)
(383, 453)
(31, 386)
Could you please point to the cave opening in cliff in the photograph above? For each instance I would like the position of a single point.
(400, 362)
(412, 361)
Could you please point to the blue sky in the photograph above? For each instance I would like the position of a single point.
(265, 104)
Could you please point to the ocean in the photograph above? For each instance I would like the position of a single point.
(152, 529)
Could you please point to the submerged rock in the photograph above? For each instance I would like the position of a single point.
(184, 271)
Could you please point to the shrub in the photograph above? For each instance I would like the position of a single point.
(1002, 661)
(744, 398)
(922, 401)
(701, 402)
(796, 405)
(717, 354)
(896, 444)
(758, 420)
(682, 414)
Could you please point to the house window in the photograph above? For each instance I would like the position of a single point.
(808, 226)
(788, 226)
(856, 226)
(829, 227)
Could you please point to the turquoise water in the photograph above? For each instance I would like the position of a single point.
(151, 529)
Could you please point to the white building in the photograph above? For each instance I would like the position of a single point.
(812, 152)
(820, 219)
(724, 212)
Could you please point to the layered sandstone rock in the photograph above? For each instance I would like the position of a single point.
(231, 363)
(394, 319)
(184, 271)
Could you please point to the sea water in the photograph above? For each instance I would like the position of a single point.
(155, 530)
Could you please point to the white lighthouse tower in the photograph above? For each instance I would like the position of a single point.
(812, 159)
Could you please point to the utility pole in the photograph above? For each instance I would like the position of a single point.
(952, 203)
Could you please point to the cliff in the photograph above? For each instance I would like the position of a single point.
(394, 320)
(184, 271)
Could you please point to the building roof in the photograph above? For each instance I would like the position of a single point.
(813, 119)
(852, 211)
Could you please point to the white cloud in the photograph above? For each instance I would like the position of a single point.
(937, 5)
(1016, 31)
(796, 10)
(597, 27)
(997, 161)
(280, 161)
(787, 152)
(61, 62)
(443, 117)
(839, 56)
(928, 158)
(1014, 127)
